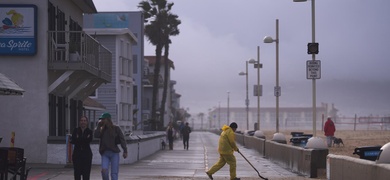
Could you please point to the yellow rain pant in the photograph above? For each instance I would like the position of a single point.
(223, 159)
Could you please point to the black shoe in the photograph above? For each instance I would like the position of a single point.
(209, 175)
(236, 178)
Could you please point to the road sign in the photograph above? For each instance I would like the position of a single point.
(277, 91)
(313, 69)
(255, 90)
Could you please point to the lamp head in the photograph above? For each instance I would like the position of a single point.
(252, 61)
(242, 73)
(268, 39)
(299, 0)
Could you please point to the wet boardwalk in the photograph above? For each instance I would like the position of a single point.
(180, 164)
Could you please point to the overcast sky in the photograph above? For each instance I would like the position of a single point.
(218, 36)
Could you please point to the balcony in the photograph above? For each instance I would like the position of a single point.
(77, 64)
(79, 52)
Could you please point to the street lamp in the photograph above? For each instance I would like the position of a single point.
(314, 142)
(313, 55)
(227, 123)
(258, 90)
(247, 99)
(219, 114)
(268, 39)
(278, 137)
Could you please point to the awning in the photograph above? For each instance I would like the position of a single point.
(9, 87)
(91, 104)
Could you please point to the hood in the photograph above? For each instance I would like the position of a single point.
(225, 127)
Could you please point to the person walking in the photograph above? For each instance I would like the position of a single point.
(180, 129)
(110, 135)
(226, 147)
(329, 130)
(170, 134)
(82, 154)
(185, 131)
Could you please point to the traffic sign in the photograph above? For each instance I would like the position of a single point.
(255, 90)
(313, 69)
(277, 91)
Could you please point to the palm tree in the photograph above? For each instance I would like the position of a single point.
(170, 30)
(157, 18)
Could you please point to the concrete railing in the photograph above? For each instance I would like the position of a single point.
(345, 167)
(138, 147)
(308, 162)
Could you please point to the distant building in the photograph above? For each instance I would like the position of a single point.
(120, 97)
(168, 116)
(289, 117)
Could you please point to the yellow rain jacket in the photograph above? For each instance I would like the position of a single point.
(227, 141)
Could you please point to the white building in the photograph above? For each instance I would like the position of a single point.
(120, 97)
(168, 116)
(289, 117)
(58, 66)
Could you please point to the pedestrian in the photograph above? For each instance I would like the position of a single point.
(180, 129)
(329, 130)
(170, 134)
(226, 147)
(82, 154)
(185, 131)
(110, 136)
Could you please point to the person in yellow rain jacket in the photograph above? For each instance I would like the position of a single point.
(226, 147)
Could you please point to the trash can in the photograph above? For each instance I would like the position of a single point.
(368, 152)
(307, 135)
(299, 141)
(296, 134)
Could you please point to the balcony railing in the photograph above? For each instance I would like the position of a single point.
(76, 50)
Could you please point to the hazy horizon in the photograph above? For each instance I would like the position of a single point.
(217, 37)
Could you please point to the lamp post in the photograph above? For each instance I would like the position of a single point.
(227, 123)
(247, 99)
(258, 93)
(313, 55)
(314, 142)
(278, 137)
(277, 89)
(219, 114)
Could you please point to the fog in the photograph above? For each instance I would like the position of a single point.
(217, 37)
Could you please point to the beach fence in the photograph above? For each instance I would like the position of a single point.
(363, 123)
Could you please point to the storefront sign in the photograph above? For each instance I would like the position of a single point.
(18, 29)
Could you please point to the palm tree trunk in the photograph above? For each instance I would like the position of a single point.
(166, 79)
(156, 74)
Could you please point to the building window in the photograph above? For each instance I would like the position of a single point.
(135, 95)
(135, 64)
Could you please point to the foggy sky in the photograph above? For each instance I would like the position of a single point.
(218, 36)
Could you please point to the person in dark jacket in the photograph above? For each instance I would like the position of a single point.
(329, 130)
(185, 131)
(110, 135)
(170, 135)
(82, 154)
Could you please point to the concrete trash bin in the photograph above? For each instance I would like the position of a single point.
(296, 134)
(368, 152)
(299, 141)
(307, 135)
